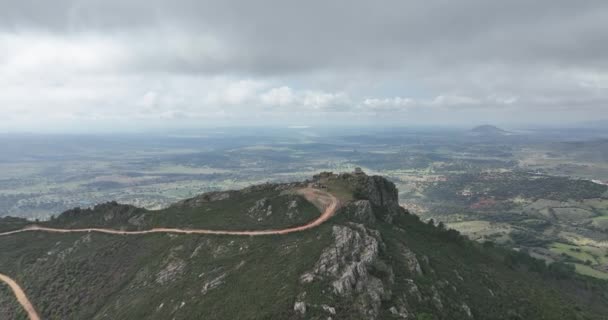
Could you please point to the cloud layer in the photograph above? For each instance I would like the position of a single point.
(71, 64)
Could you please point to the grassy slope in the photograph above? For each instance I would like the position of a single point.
(77, 277)
(228, 214)
(87, 276)
(81, 276)
(533, 295)
(7, 299)
(9, 223)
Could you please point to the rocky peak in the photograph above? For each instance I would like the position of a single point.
(350, 267)
(380, 192)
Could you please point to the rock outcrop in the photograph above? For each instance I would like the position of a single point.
(204, 198)
(359, 211)
(348, 265)
(381, 193)
(261, 208)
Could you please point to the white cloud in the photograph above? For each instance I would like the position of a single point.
(455, 100)
(388, 104)
(311, 100)
(43, 53)
(159, 73)
(280, 97)
(149, 100)
(320, 100)
(234, 93)
(504, 100)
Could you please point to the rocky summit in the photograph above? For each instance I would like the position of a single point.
(371, 259)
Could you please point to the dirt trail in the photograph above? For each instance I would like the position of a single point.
(323, 200)
(21, 297)
(317, 197)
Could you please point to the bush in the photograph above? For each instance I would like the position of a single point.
(561, 270)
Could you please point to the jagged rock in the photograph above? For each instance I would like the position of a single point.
(347, 264)
(360, 211)
(412, 290)
(67, 251)
(347, 259)
(399, 312)
(411, 262)
(425, 263)
(466, 310)
(292, 208)
(442, 284)
(108, 216)
(491, 292)
(458, 276)
(379, 191)
(213, 283)
(261, 208)
(329, 309)
(300, 307)
(170, 271)
(436, 299)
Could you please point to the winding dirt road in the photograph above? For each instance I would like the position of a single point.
(21, 297)
(319, 198)
(323, 200)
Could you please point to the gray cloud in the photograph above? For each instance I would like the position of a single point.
(291, 36)
(236, 58)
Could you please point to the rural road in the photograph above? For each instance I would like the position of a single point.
(21, 297)
(319, 198)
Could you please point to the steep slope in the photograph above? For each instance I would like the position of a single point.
(372, 260)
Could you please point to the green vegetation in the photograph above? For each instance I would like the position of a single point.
(86, 277)
(12, 310)
(585, 258)
(434, 271)
(528, 287)
(10, 223)
(260, 208)
(469, 188)
(524, 210)
(588, 271)
(578, 253)
(340, 189)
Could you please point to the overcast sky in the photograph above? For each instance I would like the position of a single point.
(98, 65)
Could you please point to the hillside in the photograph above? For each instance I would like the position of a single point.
(488, 130)
(371, 260)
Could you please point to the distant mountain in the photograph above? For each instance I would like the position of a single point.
(371, 260)
(489, 130)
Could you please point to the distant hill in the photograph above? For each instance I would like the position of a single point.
(489, 130)
(372, 260)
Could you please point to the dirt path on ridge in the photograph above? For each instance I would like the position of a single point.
(325, 201)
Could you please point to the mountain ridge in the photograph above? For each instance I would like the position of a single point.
(371, 260)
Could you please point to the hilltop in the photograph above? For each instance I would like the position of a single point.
(489, 130)
(371, 260)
